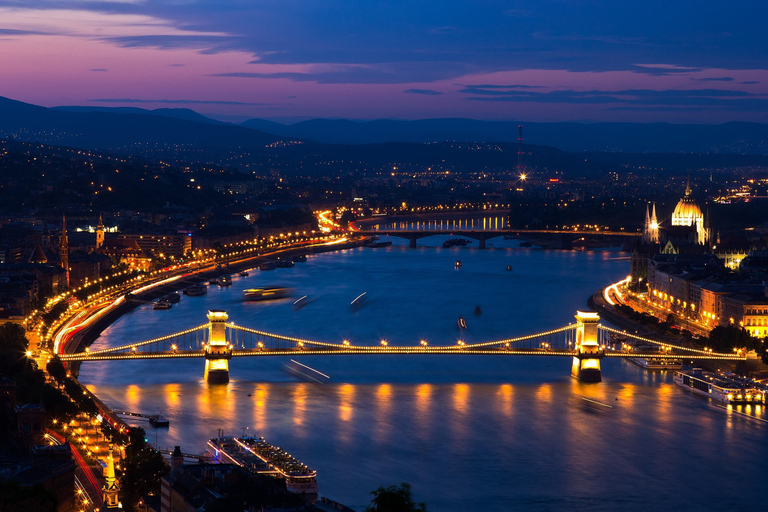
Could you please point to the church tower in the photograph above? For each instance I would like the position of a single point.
(64, 248)
(100, 233)
(651, 227)
(111, 487)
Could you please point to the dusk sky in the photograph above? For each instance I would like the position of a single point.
(540, 60)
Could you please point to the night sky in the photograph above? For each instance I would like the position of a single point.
(542, 60)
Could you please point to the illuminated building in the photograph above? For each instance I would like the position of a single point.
(687, 213)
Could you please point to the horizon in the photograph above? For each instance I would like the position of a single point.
(544, 61)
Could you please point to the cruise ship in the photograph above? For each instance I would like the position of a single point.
(657, 363)
(258, 456)
(722, 388)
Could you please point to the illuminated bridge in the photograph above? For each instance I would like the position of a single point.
(564, 237)
(587, 342)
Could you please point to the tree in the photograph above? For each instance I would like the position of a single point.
(395, 498)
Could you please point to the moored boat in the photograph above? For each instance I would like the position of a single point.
(728, 390)
(224, 281)
(173, 298)
(268, 265)
(285, 263)
(243, 274)
(162, 304)
(302, 258)
(195, 290)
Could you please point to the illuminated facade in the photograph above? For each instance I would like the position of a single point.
(687, 213)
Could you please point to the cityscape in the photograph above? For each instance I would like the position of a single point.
(382, 257)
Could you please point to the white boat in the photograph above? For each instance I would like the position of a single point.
(267, 293)
(719, 387)
(657, 363)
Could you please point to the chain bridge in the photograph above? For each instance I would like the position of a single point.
(586, 341)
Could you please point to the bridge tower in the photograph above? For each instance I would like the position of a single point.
(111, 487)
(586, 363)
(217, 352)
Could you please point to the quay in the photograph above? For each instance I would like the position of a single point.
(154, 419)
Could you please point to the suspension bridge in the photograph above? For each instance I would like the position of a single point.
(586, 341)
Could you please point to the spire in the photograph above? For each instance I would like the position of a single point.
(111, 486)
(654, 226)
(688, 187)
(100, 233)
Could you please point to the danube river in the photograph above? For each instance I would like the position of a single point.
(468, 432)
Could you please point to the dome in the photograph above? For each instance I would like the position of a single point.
(686, 212)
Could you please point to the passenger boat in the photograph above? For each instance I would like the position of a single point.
(300, 302)
(285, 263)
(243, 274)
(525, 243)
(268, 265)
(358, 301)
(509, 268)
(173, 298)
(162, 304)
(259, 456)
(195, 290)
(657, 363)
(224, 281)
(725, 389)
(462, 323)
(373, 244)
(455, 241)
(302, 258)
(267, 293)
(457, 264)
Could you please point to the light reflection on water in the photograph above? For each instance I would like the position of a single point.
(468, 432)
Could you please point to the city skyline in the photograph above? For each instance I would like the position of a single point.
(534, 61)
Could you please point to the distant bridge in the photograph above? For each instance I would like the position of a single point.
(587, 342)
(561, 238)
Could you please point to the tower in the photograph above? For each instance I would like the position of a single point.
(111, 487)
(586, 362)
(177, 459)
(651, 227)
(100, 233)
(64, 248)
(520, 169)
(218, 351)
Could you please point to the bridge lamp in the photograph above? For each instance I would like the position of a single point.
(301, 344)
(133, 349)
(423, 343)
(461, 343)
(384, 343)
(174, 347)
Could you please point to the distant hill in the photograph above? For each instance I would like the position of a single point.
(733, 138)
(128, 132)
(177, 113)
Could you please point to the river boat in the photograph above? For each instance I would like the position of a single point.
(301, 258)
(267, 293)
(259, 456)
(195, 290)
(243, 274)
(173, 298)
(224, 281)
(719, 387)
(461, 323)
(285, 264)
(461, 242)
(457, 264)
(358, 301)
(510, 237)
(526, 243)
(162, 304)
(657, 363)
(268, 265)
(305, 372)
(300, 302)
(378, 245)
(509, 268)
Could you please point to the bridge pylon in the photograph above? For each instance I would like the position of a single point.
(586, 363)
(218, 351)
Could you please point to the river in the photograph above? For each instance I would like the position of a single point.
(467, 432)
